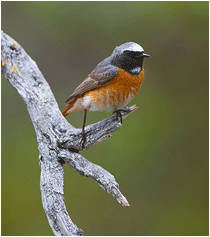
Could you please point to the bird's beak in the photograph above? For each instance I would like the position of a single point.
(145, 55)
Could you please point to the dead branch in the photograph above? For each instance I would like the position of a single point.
(57, 139)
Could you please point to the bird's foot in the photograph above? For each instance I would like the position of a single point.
(118, 114)
(83, 140)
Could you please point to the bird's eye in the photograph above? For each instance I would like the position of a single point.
(132, 54)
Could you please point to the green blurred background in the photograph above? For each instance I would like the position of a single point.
(159, 156)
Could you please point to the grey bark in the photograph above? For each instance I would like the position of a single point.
(57, 139)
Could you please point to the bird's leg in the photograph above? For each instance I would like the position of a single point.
(83, 129)
(118, 114)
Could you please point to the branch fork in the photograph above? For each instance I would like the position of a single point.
(57, 139)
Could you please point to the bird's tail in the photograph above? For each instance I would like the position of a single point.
(68, 110)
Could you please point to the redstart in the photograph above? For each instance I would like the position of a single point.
(112, 84)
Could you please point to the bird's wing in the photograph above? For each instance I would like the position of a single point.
(101, 75)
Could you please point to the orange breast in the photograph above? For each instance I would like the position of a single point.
(116, 93)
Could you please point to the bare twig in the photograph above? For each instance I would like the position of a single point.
(57, 139)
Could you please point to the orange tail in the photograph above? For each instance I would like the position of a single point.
(66, 111)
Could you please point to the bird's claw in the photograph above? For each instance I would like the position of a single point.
(83, 140)
(118, 114)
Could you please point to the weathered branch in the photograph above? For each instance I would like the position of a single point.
(57, 139)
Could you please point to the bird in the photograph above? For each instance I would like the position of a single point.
(111, 85)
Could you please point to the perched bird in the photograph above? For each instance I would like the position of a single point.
(112, 84)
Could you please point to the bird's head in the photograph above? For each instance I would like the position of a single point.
(129, 56)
